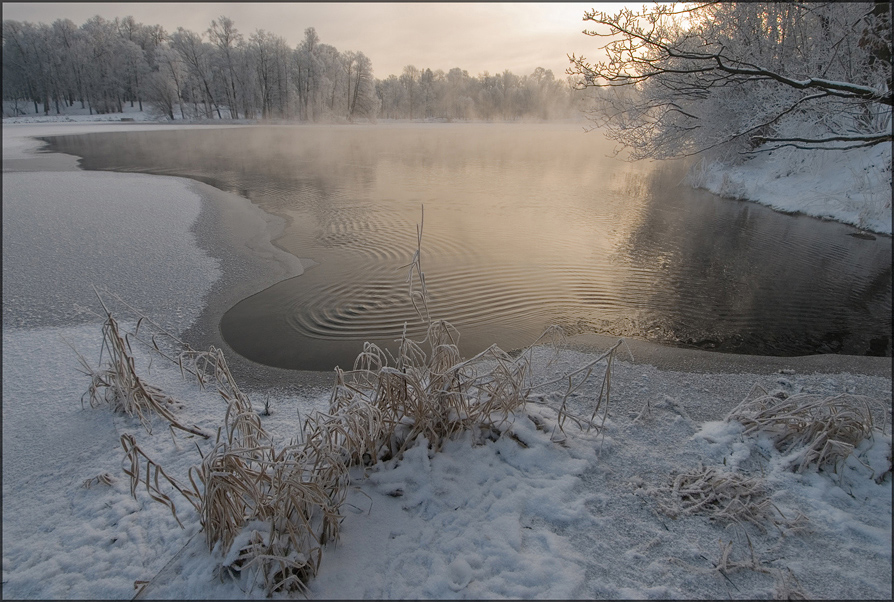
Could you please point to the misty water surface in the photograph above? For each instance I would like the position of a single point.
(526, 225)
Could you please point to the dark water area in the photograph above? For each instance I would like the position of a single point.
(526, 225)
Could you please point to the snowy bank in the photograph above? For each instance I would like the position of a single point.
(24, 113)
(524, 516)
(851, 186)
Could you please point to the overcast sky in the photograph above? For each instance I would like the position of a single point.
(476, 37)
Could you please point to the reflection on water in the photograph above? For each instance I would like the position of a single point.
(525, 226)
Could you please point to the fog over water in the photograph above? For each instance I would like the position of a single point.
(526, 225)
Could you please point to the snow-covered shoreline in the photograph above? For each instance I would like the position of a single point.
(852, 187)
(578, 520)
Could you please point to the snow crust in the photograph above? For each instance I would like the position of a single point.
(853, 187)
(77, 220)
(520, 517)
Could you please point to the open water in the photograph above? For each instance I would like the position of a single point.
(525, 225)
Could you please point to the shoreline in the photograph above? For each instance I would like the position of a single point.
(239, 234)
(220, 230)
(697, 361)
(793, 183)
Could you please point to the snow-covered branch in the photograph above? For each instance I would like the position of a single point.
(681, 80)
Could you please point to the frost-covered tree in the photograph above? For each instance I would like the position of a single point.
(270, 57)
(163, 93)
(362, 99)
(307, 68)
(428, 92)
(409, 79)
(227, 41)
(36, 59)
(166, 85)
(679, 80)
(69, 44)
(390, 93)
(457, 101)
(220, 74)
(197, 57)
(134, 43)
(285, 91)
(104, 63)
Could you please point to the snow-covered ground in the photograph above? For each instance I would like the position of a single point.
(24, 113)
(851, 186)
(522, 517)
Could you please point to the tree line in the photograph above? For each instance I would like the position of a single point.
(222, 74)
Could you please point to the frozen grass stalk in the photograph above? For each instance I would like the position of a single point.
(724, 496)
(817, 431)
(117, 384)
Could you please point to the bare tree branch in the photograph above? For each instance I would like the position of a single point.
(739, 68)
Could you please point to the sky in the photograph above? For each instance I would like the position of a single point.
(474, 36)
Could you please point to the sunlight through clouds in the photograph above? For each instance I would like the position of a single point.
(476, 36)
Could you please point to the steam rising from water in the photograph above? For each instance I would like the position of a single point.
(525, 225)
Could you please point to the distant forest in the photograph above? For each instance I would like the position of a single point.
(221, 74)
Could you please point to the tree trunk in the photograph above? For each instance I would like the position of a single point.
(356, 93)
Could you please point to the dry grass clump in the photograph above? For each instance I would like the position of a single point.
(270, 511)
(104, 478)
(817, 430)
(387, 402)
(267, 512)
(786, 586)
(242, 424)
(117, 384)
(724, 496)
(378, 409)
(134, 456)
(575, 380)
